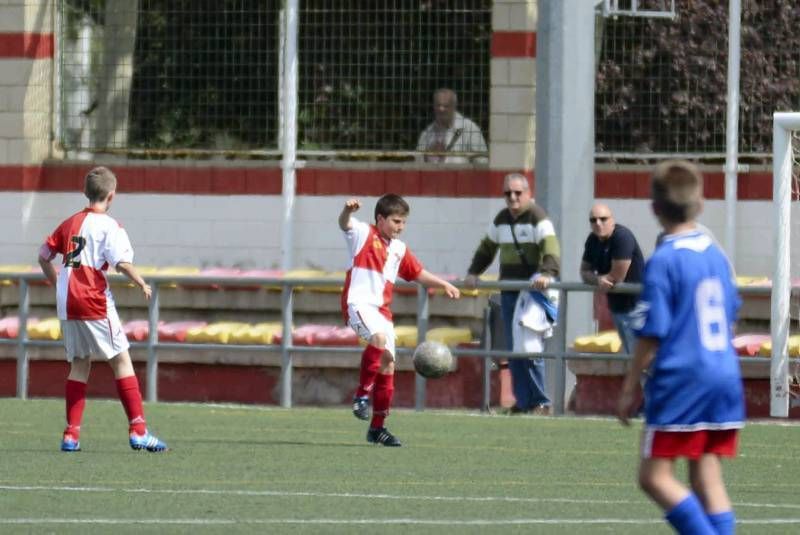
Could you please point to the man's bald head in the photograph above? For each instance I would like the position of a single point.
(601, 220)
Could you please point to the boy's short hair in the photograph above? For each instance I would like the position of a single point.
(100, 181)
(391, 204)
(677, 191)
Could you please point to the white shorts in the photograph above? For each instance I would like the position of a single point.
(367, 321)
(102, 338)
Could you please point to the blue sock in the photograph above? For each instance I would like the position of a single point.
(724, 523)
(689, 517)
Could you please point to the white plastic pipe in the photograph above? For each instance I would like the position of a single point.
(782, 124)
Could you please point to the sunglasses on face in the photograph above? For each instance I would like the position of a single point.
(594, 220)
(512, 192)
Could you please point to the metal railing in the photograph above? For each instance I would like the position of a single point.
(560, 355)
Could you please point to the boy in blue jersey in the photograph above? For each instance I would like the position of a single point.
(694, 400)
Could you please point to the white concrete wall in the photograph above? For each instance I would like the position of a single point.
(244, 231)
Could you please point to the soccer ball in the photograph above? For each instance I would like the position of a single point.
(432, 359)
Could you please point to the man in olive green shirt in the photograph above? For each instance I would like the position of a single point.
(526, 240)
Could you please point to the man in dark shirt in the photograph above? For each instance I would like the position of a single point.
(611, 255)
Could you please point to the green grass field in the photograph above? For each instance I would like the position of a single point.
(241, 469)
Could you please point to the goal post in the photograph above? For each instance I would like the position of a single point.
(784, 124)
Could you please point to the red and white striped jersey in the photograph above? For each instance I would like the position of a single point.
(375, 264)
(89, 242)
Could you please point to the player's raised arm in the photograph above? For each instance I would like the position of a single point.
(429, 279)
(350, 206)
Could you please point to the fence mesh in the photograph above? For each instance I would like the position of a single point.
(178, 74)
(661, 84)
(369, 69)
(204, 74)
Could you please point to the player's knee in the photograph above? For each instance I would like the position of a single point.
(121, 365)
(387, 364)
(80, 367)
(378, 340)
(648, 482)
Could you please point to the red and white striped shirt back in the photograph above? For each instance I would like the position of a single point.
(375, 264)
(89, 242)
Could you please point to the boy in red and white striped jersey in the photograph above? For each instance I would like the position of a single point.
(377, 257)
(89, 242)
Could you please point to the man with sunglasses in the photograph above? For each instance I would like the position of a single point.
(526, 240)
(611, 255)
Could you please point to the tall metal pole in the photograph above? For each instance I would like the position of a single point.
(732, 127)
(565, 76)
(288, 165)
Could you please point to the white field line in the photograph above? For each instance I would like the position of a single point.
(349, 495)
(361, 521)
(291, 494)
(471, 413)
(474, 413)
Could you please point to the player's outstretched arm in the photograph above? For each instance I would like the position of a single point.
(350, 206)
(642, 356)
(48, 270)
(127, 269)
(427, 278)
(471, 280)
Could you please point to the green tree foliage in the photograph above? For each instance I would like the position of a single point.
(206, 74)
(661, 85)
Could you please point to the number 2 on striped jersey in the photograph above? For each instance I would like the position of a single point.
(73, 258)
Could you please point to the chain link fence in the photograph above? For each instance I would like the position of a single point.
(203, 74)
(661, 83)
(148, 75)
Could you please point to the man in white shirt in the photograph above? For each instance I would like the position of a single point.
(450, 131)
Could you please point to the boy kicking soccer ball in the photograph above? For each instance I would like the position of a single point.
(377, 257)
(694, 401)
(89, 242)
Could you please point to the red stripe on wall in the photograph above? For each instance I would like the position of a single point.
(627, 184)
(26, 45)
(514, 44)
(449, 183)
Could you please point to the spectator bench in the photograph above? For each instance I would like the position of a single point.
(597, 382)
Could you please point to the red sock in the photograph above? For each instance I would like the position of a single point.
(370, 363)
(382, 399)
(131, 398)
(75, 400)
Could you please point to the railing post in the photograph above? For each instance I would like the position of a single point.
(287, 303)
(152, 340)
(560, 341)
(22, 340)
(422, 329)
(487, 361)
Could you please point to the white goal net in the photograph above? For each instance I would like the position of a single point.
(785, 188)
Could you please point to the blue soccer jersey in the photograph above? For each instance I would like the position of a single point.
(689, 303)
